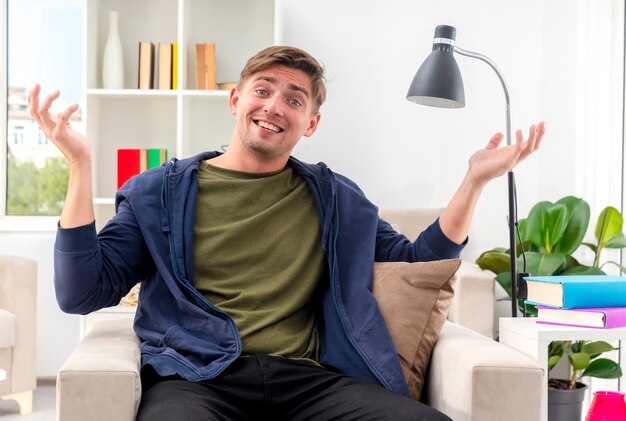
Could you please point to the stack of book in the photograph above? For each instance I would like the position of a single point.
(586, 301)
(157, 68)
(131, 162)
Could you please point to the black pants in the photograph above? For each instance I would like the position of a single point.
(260, 387)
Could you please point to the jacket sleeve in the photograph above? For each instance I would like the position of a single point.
(93, 271)
(431, 244)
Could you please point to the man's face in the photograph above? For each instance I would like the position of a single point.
(274, 109)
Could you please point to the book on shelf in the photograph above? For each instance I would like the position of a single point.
(205, 66)
(131, 162)
(145, 76)
(581, 291)
(601, 317)
(156, 157)
(165, 66)
(174, 65)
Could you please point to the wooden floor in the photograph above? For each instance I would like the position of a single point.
(44, 401)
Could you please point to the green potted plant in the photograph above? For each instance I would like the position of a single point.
(565, 396)
(550, 234)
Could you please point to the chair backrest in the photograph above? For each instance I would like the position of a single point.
(410, 221)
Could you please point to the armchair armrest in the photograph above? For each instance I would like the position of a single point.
(472, 377)
(18, 296)
(473, 304)
(100, 380)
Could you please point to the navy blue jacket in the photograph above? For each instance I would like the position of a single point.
(150, 239)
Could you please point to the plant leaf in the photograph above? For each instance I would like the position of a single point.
(495, 261)
(555, 348)
(535, 223)
(521, 223)
(546, 224)
(579, 360)
(504, 279)
(576, 224)
(553, 361)
(540, 264)
(590, 245)
(582, 270)
(612, 225)
(596, 348)
(556, 222)
(603, 368)
(618, 241)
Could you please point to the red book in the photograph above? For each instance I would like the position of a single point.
(600, 317)
(130, 162)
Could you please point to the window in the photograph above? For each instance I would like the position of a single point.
(44, 45)
(18, 135)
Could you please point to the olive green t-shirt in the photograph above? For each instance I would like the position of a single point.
(258, 257)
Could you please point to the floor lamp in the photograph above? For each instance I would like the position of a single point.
(438, 83)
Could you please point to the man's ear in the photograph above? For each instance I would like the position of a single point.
(315, 119)
(234, 98)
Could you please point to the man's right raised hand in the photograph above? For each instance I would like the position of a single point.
(78, 207)
(57, 128)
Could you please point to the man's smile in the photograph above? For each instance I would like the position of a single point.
(267, 125)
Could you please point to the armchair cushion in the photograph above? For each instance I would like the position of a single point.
(414, 299)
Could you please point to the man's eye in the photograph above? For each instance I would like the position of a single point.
(295, 103)
(261, 92)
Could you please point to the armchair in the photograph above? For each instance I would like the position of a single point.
(18, 330)
(470, 376)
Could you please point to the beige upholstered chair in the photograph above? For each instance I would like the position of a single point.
(470, 377)
(18, 329)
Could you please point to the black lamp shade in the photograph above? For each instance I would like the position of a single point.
(438, 82)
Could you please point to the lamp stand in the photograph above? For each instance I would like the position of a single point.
(511, 179)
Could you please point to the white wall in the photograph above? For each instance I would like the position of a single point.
(557, 58)
(562, 62)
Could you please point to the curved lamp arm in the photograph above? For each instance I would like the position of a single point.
(511, 178)
(507, 98)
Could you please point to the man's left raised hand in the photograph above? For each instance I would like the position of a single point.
(492, 161)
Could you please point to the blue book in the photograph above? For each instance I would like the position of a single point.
(582, 291)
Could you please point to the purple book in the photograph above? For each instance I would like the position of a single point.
(601, 317)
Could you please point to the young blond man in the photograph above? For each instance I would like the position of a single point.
(255, 266)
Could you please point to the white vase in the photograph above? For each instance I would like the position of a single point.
(113, 60)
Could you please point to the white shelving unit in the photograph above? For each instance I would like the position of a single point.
(185, 121)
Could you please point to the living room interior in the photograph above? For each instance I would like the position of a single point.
(563, 62)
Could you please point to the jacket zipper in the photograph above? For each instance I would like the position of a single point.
(180, 280)
(346, 331)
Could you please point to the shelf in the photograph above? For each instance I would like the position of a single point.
(103, 201)
(184, 121)
(205, 94)
(130, 93)
(139, 93)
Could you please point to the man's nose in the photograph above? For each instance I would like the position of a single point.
(273, 105)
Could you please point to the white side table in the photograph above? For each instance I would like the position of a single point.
(3, 374)
(532, 339)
